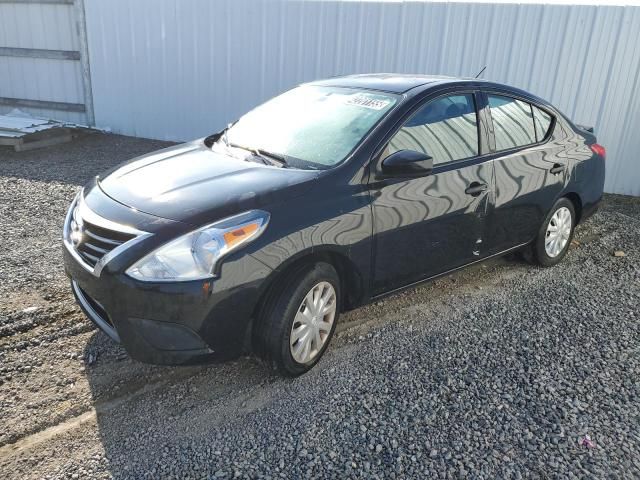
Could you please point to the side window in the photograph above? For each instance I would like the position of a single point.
(542, 121)
(445, 128)
(512, 122)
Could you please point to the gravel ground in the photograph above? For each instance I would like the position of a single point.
(499, 371)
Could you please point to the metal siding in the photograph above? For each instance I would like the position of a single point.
(40, 26)
(41, 79)
(177, 70)
(37, 26)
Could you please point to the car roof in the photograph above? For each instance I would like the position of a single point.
(401, 83)
(386, 82)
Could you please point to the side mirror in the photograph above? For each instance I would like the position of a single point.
(407, 163)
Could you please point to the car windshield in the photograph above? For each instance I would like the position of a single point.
(310, 126)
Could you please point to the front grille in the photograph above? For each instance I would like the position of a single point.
(91, 238)
(96, 242)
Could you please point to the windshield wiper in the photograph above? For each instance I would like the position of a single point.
(276, 156)
(264, 155)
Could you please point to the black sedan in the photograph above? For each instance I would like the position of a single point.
(326, 197)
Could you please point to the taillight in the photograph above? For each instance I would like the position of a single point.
(598, 150)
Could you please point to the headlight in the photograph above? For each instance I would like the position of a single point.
(194, 256)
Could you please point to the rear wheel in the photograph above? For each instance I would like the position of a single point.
(295, 329)
(555, 235)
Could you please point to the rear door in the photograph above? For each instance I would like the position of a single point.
(428, 225)
(529, 172)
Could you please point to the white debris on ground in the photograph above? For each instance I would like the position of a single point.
(25, 132)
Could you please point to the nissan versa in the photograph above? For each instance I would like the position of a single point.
(326, 197)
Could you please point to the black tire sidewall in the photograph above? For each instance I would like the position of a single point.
(285, 309)
(541, 254)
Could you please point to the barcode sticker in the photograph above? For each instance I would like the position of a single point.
(362, 100)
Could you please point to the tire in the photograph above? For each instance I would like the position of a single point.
(291, 315)
(543, 251)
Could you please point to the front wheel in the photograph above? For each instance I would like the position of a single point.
(295, 329)
(555, 234)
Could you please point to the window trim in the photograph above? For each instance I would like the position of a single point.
(474, 92)
(491, 131)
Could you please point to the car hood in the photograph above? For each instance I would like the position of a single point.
(191, 183)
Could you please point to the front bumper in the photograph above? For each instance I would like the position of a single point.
(173, 323)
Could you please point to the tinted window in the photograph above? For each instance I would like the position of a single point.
(446, 129)
(542, 122)
(512, 122)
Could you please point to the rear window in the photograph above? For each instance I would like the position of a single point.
(512, 122)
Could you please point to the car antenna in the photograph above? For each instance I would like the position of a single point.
(480, 72)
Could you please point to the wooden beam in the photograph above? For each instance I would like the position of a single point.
(49, 2)
(39, 53)
(84, 62)
(43, 104)
(45, 138)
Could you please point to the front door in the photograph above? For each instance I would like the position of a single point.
(428, 225)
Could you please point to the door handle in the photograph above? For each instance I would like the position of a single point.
(476, 188)
(557, 168)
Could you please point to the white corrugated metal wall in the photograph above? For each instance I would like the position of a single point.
(179, 69)
(41, 59)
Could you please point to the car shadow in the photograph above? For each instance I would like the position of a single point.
(149, 416)
(146, 413)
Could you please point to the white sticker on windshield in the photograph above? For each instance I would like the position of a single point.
(362, 100)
